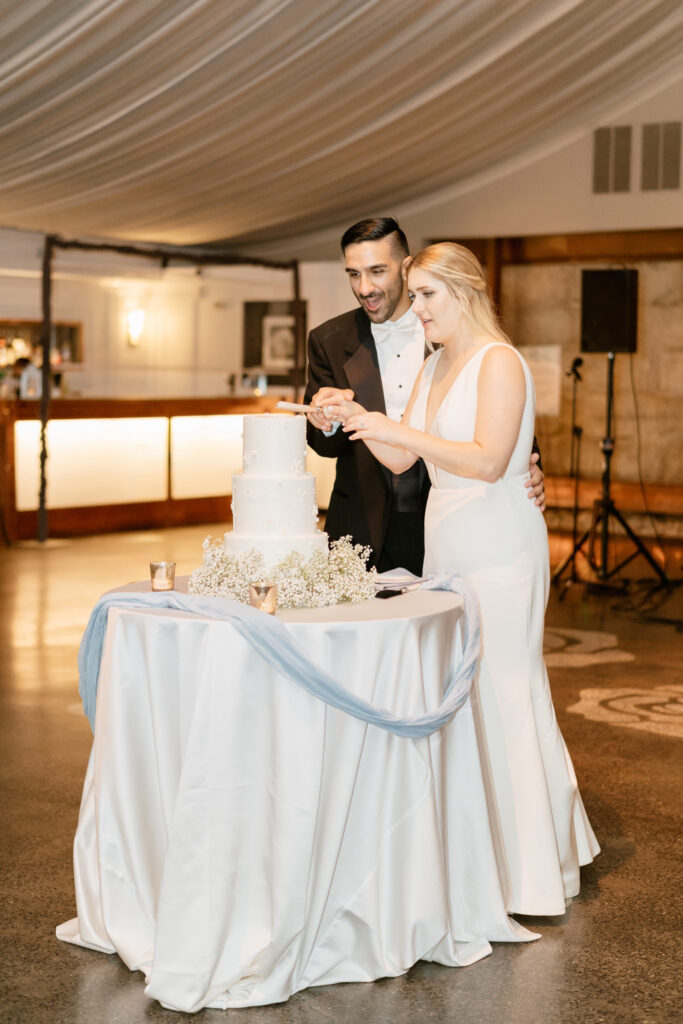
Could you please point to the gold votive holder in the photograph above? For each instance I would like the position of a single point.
(162, 575)
(263, 596)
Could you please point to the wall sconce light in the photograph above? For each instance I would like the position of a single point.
(136, 322)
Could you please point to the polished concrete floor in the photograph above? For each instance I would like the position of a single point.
(615, 956)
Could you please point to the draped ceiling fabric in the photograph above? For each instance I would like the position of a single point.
(254, 121)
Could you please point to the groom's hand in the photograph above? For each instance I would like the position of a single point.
(535, 485)
(327, 396)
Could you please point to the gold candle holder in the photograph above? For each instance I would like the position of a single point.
(162, 575)
(263, 596)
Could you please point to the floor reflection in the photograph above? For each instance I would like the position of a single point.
(608, 958)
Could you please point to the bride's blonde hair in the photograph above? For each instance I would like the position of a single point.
(462, 273)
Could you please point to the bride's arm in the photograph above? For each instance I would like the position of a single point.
(501, 396)
(397, 459)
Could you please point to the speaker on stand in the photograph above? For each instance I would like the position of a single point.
(609, 312)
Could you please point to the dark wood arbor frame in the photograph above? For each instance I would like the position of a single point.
(192, 255)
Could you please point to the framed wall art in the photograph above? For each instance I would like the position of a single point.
(270, 342)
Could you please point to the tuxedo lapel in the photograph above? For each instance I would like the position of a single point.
(362, 368)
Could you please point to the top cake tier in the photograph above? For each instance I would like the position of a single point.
(274, 445)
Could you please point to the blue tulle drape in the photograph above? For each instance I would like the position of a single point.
(271, 641)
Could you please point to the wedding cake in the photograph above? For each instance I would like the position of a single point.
(273, 499)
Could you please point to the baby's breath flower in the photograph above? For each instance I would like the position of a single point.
(323, 579)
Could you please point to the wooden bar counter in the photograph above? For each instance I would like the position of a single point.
(121, 463)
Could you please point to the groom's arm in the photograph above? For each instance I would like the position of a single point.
(321, 375)
(536, 482)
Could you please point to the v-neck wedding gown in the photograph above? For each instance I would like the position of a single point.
(494, 536)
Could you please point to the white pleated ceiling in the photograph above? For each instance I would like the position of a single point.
(187, 121)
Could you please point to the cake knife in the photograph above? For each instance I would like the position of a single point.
(295, 407)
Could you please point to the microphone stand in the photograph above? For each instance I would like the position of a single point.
(574, 472)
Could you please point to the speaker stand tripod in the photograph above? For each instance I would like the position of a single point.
(604, 509)
(575, 474)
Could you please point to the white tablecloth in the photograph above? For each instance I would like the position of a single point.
(239, 840)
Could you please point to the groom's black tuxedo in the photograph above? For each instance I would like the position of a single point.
(378, 509)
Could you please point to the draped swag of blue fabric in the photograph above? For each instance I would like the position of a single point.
(271, 641)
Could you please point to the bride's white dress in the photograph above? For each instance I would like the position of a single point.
(495, 537)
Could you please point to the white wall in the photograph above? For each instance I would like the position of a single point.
(192, 338)
(554, 193)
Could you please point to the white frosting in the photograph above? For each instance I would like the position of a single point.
(273, 498)
(273, 506)
(274, 446)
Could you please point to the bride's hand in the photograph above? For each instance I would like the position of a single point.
(372, 426)
(340, 409)
(318, 416)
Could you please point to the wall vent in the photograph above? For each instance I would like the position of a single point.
(661, 156)
(612, 159)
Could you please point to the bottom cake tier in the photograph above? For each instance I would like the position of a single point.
(276, 549)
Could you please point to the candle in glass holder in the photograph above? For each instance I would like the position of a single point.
(263, 596)
(162, 575)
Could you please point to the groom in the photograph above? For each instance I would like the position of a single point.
(376, 352)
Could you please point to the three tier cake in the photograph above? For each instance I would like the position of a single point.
(273, 498)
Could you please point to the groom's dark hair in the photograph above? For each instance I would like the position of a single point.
(374, 228)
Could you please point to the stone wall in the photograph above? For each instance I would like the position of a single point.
(541, 305)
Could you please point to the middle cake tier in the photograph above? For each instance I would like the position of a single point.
(263, 506)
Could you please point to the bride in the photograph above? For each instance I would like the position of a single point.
(471, 418)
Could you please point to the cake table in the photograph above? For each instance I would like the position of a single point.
(240, 840)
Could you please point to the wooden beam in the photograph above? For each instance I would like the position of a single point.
(8, 507)
(116, 408)
(493, 264)
(601, 245)
(659, 244)
(659, 499)
(79, 522)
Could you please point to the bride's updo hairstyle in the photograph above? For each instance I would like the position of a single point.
(461, 272)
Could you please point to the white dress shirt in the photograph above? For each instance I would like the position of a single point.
(400, 348)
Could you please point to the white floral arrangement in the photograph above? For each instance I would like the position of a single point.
(323, 579)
